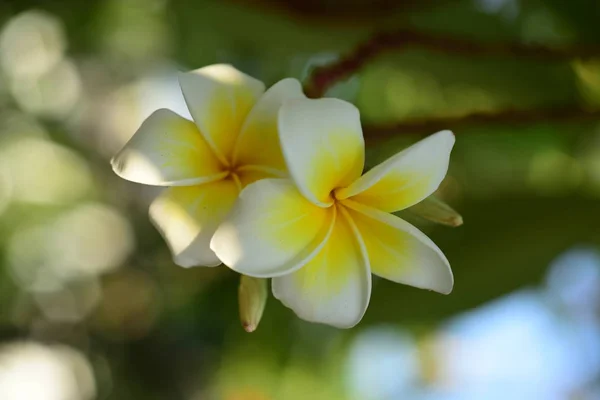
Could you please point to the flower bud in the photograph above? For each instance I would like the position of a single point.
(252, 297)
(434, 209)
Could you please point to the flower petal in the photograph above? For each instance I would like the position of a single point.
(187, 218)
(333, 288)
(252, 173)
(400, 252)
(258, 143)
(219, 98)
(322, 144)
(272, 230)
(406, 178)
(167, 150)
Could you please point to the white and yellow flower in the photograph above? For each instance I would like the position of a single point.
(321, 234)
(232, 142)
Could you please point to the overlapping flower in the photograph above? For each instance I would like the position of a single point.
(232, 142)
(319, 231)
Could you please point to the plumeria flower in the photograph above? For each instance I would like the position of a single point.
(233, 141)
(321, 234)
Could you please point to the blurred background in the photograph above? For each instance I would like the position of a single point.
(91, 306)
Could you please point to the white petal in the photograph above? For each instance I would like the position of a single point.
(167, 150)
(258, 143)
(406, 178)
(219, 98)
(187, 218)
(322, 144)
(400, 252)
(272, 230)
(333, 288)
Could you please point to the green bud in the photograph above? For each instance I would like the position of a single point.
(434, 209)
(252, 297)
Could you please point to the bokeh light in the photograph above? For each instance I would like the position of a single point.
(33, 371)
(54, 94)
(41, 171)
(31, 44)
(383, 364)
(85, 242)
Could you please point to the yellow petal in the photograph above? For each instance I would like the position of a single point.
(252, 173)
(335, 286)
(167, 150)
(406, 178)
(322, 144)
(219, 98)
(258, 143)
(272, 230)
(400, 252)
(187, 217)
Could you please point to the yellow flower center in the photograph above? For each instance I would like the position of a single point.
(234, 175)
(335, 196)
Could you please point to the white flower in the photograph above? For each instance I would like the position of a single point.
(232, 142)
(322, 234)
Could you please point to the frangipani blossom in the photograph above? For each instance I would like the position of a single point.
(232, 142)
(321, 234)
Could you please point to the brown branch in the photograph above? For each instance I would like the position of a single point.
(456, 124)
(322, 78)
